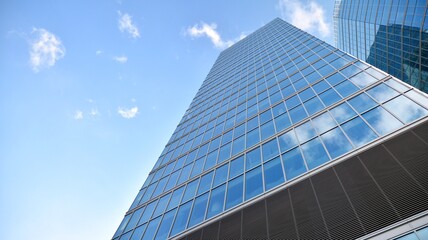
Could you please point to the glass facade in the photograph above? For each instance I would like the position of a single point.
(389, 34)
(276, 105)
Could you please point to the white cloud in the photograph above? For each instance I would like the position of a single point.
(78, 115)
(99, 52)
(308, 16)
(126, 25)
(121, 59)
(128, 112)
(46, 49)
(94, 112)
(209, 30)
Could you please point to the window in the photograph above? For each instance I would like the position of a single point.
(358, 131)
(293, 163)
(253, 183)
(216, 201)
(270, 149)
(181, 219)
(314, 153)
(273, 173)
(234, 192)
(198, 212)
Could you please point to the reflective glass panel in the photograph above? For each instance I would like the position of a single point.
(181, 218)
(151, 229)
(236, 167)
(234, 192)
(220, 175)
(253, 183)
(273, 173)
(293, 163)
(381, 120)
(198, 212)
(205, 183)
(252, 158)
(270, 149)
(342, 112)
(358, 131)
(216, 201)
(406, 110)
(314, 153)
(165, 225)
(305, 132)
(336, 142)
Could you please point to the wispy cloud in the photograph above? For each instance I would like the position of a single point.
(126, 25)
(46, 49)
(308, 16)
(78, 115)
(99, 52)
(209, 30)
(128, 113)
(121, 59)
(94, 112)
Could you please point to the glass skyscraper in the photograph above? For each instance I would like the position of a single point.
(287, 138)
(389, 34)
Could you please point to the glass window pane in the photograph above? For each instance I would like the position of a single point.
(163, 201)
(342, 112)
(123, 225)
(253, 137)
(329, 97)
(190, 190)
(410, 236)
(358, 131)
(278, 109)
(306, 94)
(270, 149)
(198, 212)
(305, 132)
(314, 153)
(234, 192)
(423, 233)
(293, 163)
(238, 145)
(165, 226)
(282, 122)
(151, 229)
(185, 172)
(336, 143)
(147, 212)
(220, 175)
(126, 236)
(175, 199)
(273, 173)
(205, 183)
(382, 93)
(267, 130)
(381, 120)
(313, 105)
(287, 141)
(211, 160)
(335, 78)
(138, 232)
(362, 102)
(253, 183)
(181, 219)
(321, 86)
(363, 79)
(135, 217)
(252, 158)
(216, 201)
(224, 153)
(197, 167)
(323, 123)
(405, 109)
(346, 88)
(236, 167)
(297, 114)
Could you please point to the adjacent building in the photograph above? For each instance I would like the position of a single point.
(389, 34)
(290, 138)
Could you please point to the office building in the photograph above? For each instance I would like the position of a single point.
(391, 35)
(288, 138)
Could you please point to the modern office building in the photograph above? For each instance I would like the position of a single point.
(290, 138)
(389, 34)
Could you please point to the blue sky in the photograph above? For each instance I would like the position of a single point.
(91, 91)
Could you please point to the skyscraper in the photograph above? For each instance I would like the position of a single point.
(288, 137)
(391, 35)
